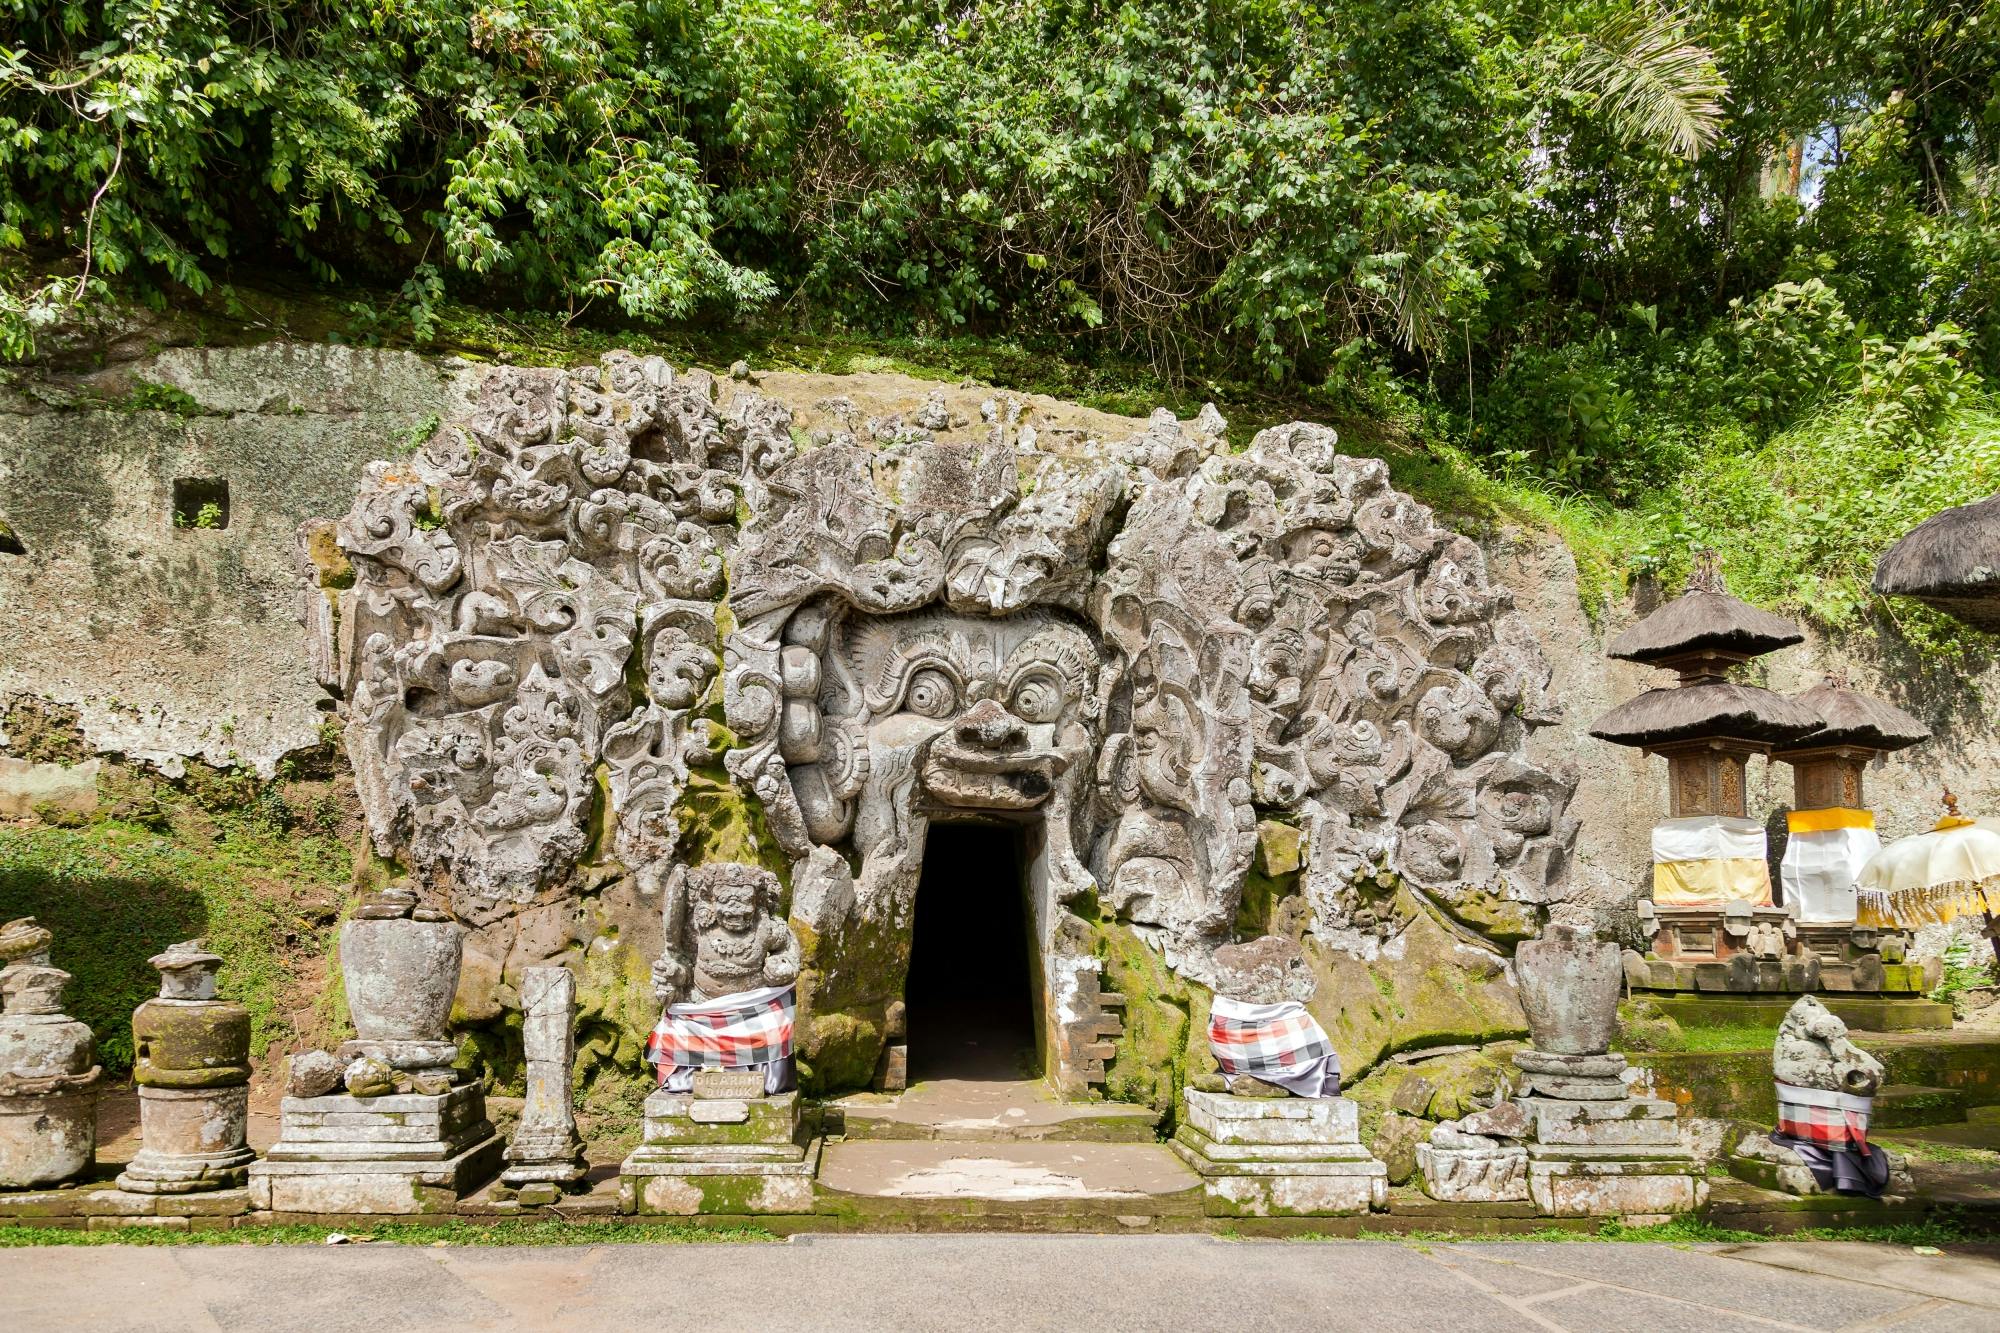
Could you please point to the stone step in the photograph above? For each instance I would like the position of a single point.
(969, 1111)
(1906, 1105)
(886, 1180)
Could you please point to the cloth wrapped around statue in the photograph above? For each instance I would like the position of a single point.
(748, 1030)
(1829, 1132)
(1280, 1044)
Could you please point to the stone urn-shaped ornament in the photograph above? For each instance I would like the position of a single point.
(400, 965)
(1569, 982)
(48, 1081)
(191, 1060)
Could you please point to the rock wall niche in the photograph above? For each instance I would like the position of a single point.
(621, 618)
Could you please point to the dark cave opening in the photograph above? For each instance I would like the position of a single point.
(970, 994)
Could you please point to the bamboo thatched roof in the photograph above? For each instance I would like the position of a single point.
(1951, 560)
(1704, 619)
(1719, 708)
(1853, 718)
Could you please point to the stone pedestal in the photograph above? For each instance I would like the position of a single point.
(192, 1064)
(718, 1154)
(48, 1076)
(1279, 1156)
(194, 1141)
(402, 1153)
(1595, 1150)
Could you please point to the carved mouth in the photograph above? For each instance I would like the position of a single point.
(980, 779)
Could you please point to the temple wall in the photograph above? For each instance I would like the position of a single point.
(170, 644)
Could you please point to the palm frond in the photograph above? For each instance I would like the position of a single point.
(1657, 85)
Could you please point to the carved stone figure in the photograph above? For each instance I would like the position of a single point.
(1263, 1039)
(1813, 1051)
(191, 1060)
(48, 1077)
(1826, 1089)
(1478, 1158)
(724, 934)
(1132, 652)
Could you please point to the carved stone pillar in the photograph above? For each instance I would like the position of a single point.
(546, 1154)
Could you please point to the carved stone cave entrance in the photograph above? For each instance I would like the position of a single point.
(973, 1001)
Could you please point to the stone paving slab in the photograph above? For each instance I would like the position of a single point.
(924, 1169)
(983, 1110)
(1177, 1283)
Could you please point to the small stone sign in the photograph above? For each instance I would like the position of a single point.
(717, 1111)
(728, 1083)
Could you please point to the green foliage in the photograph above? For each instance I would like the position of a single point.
(257, 881)
(1592, 250)
(510, 1232)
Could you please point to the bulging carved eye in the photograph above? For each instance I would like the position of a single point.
(1038, 699)
(932, 693)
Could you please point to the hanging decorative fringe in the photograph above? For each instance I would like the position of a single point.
(1930, 905)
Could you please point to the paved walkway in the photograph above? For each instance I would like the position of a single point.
(1179, 1283)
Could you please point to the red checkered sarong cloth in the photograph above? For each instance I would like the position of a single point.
(1834, 1120)
(1278, 1043)
(741, 1031)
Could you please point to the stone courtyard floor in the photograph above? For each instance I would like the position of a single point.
(1181, 1283)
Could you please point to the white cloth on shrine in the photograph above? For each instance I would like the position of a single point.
(1708, 860)
(1823, 859)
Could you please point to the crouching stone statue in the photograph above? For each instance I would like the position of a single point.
(726, 976)
(1826, 1093)
(1263, 1039)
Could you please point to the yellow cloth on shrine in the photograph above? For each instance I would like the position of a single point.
(1709, 883)
(1824, 821)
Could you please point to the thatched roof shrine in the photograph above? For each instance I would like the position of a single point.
(1856, 719)
(1716, 708)
(1950, 561)
(1704, 622)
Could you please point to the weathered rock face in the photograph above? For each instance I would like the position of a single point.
(1133, 653)
(169, 636)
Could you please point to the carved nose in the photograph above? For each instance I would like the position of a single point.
(1860, 1082)
(990, 727)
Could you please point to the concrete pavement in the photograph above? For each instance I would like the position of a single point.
(1179, 1283)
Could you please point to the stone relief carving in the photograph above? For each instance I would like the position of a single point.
(505, 578)
(1133, 651)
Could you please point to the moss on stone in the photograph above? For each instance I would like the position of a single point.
(838, 1052)
(1425, 988)
(1151, 1058)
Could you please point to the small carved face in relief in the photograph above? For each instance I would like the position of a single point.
(735, 907)
(678, 669)
(994, 709)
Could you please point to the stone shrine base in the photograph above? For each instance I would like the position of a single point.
(735, 1155)
(1279, 1156)
(1594, 1149)
(402, 1153)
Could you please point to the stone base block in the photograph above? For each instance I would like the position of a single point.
(1631, 1122)
(377, 1186)
(173, 1173)
(1582, 1182)
(653, 1183)
(1473, 1175)
(1334, 1187)
(409, 1127)
(1248, 1121)
(683, 1120)
(413, 1056)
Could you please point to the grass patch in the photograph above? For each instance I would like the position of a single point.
(537, 1232)
(1946, 1154)
(257, 877)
